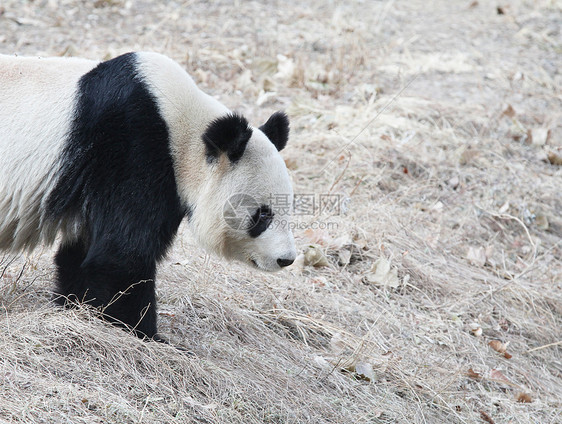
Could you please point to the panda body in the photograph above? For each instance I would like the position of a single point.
(112, 156)
(30, 141)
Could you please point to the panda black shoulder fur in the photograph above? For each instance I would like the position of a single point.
(112, 156)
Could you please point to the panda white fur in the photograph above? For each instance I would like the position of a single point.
(112, 156)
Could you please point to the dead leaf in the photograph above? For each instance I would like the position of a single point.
(554, 158)
(475, 329)
(344, 256)
(361, 242)
(383, 274)
(498, 376)
(503, 324)
(318, 282)
(244, 80)
(497, 346)
(406, 279)
(337, 343)
(438, 206)
(476, 256)
(473, 4)
(364, 371)
(201, 75)
(70, 50)
(504, 208)
(517, 130)
(268, 85)
(285, 67)
(322, 362)
(518, 76)
(314, 256)
(523, 397)
(265, 66)
(541, 221)
(316, 236)
(486, 417)
(453, 182)
(339, 242)
(376, 413)
(291, 163)
(264, 97)
(500, 348)
(299, 262)
(468, 155)
(538, 136)
(473, 374)
(509, 111)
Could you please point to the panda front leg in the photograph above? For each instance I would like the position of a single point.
(68, 259)
(120, 286)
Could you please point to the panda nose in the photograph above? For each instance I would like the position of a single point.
(285, 262)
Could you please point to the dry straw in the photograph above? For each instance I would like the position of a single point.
(445, 185)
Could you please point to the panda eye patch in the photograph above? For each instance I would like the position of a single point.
(261, 219)
(265, 215)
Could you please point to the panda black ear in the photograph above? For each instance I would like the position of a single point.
(228, 134)
(277, 129)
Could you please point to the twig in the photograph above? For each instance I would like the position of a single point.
(558, 343)
(511, 217)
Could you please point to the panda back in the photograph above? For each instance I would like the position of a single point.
(187, 111)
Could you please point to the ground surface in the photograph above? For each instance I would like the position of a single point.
(433, 123)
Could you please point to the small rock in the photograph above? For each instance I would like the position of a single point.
(453, 182)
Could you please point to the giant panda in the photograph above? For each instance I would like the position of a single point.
(109, 157)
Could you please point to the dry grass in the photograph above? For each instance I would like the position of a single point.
(398, 108)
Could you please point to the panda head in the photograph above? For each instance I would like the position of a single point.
(245, 204)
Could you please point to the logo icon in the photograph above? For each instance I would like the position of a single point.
(238, 211)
